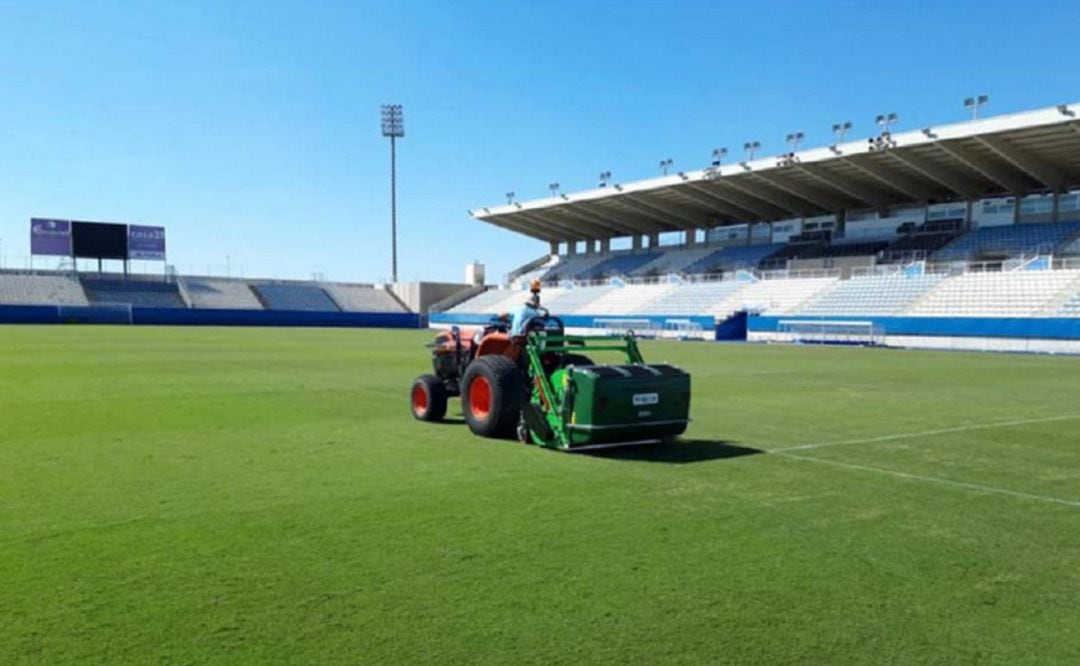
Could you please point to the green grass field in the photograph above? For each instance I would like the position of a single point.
(213, 496)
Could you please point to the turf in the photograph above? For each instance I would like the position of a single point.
(213, 496)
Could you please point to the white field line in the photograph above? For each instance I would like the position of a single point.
(927, 433)
(931, 479)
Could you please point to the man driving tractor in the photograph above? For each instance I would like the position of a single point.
(522, 375)
(527, 312)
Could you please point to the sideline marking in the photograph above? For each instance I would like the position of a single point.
(926, 433)
(931, 479)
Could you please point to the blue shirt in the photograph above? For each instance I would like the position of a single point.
(521, 319)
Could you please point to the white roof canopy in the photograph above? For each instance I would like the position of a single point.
(1014, 154)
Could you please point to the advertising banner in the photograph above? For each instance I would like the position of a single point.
(146, 242)
(51, 237)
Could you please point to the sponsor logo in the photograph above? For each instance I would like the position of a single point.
(642, 399)
(50, 228)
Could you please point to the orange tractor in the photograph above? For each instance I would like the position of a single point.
(535, 383)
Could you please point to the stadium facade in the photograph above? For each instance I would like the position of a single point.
(960, 236)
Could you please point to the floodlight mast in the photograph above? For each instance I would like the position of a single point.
(393, 126)
(975, 103)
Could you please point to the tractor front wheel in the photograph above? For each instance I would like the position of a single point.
(427, 397)
(491, 392)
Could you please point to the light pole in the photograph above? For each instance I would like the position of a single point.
(840, 130)
(665, 165)
(751, 147)
(884, 120)
(510, 198)
(794, 139)
(718, 155)
(554, 187)
(605, 177)
(975, 103)
(393, 126)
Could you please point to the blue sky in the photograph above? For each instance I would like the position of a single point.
(250, 129)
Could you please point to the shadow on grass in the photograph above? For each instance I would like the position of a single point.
(678, 452)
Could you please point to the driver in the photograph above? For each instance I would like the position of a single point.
(527, 312)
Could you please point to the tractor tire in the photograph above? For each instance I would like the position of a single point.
(576, 360)
(491, 393)
(427, 397)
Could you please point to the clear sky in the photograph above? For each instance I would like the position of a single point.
(251, 129)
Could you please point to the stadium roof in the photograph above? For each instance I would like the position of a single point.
(1001, 155)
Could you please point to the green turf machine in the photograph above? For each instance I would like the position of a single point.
(544, 388)
(576, 404)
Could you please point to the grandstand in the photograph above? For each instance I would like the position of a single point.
(141, 293)
(16, 289)
(872, 295)
(362, 298)
(213, 293)
(1008, 241)
(107, 298)
(971, 221)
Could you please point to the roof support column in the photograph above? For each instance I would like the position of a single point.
(691, 238)
(654, 241)
(605, 245)
(636, 243)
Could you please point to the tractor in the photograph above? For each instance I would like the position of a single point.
(543, 389)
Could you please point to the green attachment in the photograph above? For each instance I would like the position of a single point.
(603, 405)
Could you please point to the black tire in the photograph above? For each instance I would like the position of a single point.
(427, 398)
(576, 360)
(497, 414)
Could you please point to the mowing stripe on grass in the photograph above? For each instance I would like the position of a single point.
(927, 433)
(933, 479)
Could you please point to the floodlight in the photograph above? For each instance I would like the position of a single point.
(975, 103)
(665, 165)
(718, 156)
(605, 176)
(510, 197)
(751, 147)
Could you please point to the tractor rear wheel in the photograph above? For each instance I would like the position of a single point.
(491, 393)
(427, 397)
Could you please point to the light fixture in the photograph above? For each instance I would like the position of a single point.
(975, 103)
(751, 147)
(884, 120)
(605, 177)
(665, 165)
(718, 155)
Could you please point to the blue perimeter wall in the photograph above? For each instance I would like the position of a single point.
(576, 321)
(51, 314)
(959, 327)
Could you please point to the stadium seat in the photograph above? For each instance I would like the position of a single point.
(733, 257)
(295, 296)
(362, 298)
(212, 293)
(619, 264)
(872, 295)
(16, 289)
(1008, 294)
(138, 293)
(1008, 241)
(779, 296)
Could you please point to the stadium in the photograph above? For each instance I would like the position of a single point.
(814, 407)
